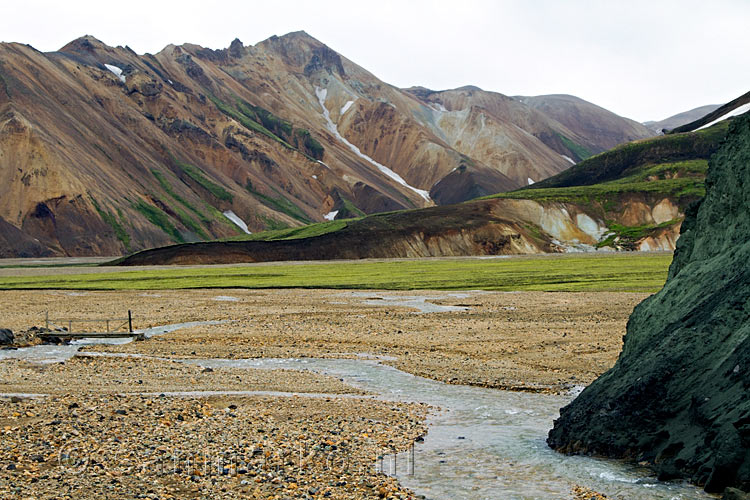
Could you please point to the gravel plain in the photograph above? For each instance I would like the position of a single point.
(533, 341)
(98, 435)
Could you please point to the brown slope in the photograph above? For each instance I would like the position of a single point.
(498, 131)
(92, 164)
(116, 134)
(381, 120)
(600, 129)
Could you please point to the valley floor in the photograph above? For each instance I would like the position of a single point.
(134, 442)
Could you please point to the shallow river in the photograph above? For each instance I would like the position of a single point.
(485, 444)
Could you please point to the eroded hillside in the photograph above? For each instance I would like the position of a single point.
(104, 151)
(644, 192)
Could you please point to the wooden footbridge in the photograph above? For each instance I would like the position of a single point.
(113, 328)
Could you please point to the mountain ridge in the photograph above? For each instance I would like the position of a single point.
(639, 204)
(680, 119)
(104, 151)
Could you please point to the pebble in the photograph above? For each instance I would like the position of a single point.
(318, 447)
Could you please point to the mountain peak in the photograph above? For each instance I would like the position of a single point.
(84, 44)
(300, 35)
(236, 48)
(469, 88)
(304, 51)
(295, 38)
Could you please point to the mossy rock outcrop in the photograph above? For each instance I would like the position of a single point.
(679, 395)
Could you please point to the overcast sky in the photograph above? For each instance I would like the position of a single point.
(641, 59)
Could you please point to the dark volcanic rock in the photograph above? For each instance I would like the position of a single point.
(679, 395)
(6, 336)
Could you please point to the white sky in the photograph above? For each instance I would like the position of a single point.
(641, 59)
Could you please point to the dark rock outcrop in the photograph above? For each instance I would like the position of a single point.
(679, 395)
(6, 336)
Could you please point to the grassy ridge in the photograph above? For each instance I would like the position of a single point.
(599, 192)
(292, 233)
(675, 179)
(570, 273)
(616, 162)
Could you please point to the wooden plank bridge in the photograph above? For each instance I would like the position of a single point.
(114, 328)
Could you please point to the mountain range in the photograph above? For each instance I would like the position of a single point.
(633, 197)
(105, 152)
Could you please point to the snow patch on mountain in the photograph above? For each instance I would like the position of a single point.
(735, 112)
(346, 107)
(331, 215)
(569, 159)
(237, 221)
(117, 72)
(437, 106)
(322, 94)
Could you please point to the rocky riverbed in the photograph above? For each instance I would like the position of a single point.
(125, 375)
(522, 341)
(90, 446)
(104, 429)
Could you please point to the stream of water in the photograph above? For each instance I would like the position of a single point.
(485, 443)
(50, 353)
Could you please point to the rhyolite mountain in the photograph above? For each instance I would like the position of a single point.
(677, 397)
(632, 197)
(681, 119)
(598, 128)
(104, 151)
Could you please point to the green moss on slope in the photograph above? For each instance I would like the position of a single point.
(167, 187)
(195, 173)
(579, 151)
(261, 120)
(279, 203)
(110, 219)
(159, 219)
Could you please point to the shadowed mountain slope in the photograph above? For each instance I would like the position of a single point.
(600, 129)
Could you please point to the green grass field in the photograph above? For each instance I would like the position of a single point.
(566, 273)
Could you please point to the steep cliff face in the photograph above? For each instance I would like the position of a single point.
(678, 395)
